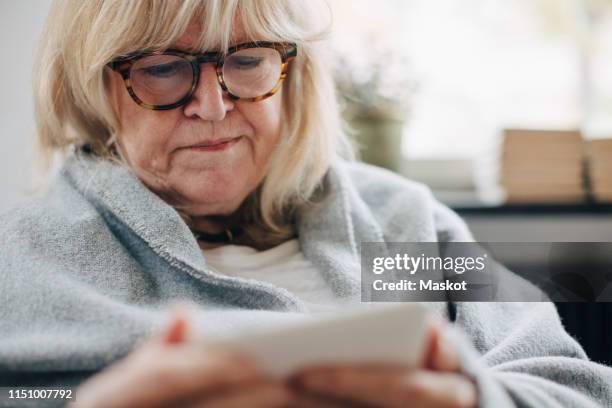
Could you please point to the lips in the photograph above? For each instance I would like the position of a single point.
(215, 145)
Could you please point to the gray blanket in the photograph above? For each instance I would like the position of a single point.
(88, 268)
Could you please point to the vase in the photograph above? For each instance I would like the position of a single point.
(378, 141)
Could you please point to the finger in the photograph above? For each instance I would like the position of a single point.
(192, 371)
(388, 388)
(441, 355)
(430, 389)
(308, 400)
(156, 375)
(360, 385)
(261, 394)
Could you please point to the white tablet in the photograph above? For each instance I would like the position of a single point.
(380, 334)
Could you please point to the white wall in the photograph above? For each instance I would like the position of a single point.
(20, 25)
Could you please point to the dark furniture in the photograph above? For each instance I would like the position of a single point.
(589, 323)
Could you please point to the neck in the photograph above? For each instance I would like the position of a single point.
(211, 224)
(217, 230)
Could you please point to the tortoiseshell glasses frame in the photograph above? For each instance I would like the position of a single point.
(123, 65)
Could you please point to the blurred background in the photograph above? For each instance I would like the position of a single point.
(502, 107)
(457, 75)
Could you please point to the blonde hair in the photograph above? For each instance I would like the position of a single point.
(73, 107)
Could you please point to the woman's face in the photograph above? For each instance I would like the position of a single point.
(164, 148)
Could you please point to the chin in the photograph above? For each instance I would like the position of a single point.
(214, 195)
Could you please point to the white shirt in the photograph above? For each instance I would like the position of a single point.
(284, 266)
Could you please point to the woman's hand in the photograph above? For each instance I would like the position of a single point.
(171, 371)
(438, 383)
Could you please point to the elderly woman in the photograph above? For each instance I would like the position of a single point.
(200, 152)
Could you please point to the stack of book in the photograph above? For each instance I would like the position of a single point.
(599, 153)
(542, 166)
(451, 180)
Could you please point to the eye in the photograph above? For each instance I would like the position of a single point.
(162, 70)
(245, 62)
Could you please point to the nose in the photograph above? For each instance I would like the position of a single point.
(208, 101)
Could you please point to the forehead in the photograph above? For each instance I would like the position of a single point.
(192, 36)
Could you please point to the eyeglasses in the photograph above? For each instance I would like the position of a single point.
(167, 79)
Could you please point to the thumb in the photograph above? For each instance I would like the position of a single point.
(179, 327)
(441, 356)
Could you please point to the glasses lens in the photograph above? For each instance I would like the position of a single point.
(252, 72)
(161, 79)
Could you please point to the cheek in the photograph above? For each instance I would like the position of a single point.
(144, 134)
(265, 118)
